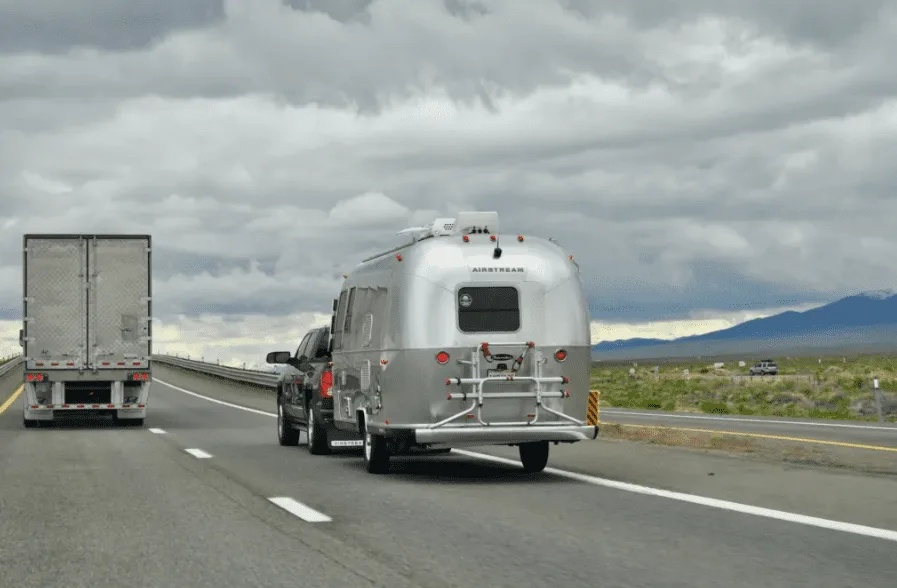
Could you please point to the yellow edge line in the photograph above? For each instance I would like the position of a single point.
(11, 399)
(758, 435)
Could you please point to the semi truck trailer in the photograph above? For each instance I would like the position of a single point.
(87, 329)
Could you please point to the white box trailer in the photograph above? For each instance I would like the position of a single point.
(87, 330)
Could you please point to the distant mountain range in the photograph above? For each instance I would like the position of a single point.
(866, 321)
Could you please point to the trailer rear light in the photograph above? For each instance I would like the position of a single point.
(138, 376)
(466, 239)
(37, 377)
(326, 384)
(520, 238)
(565, 379)
(492, 238)
(399, 256)
(442, 357)
(560, 354)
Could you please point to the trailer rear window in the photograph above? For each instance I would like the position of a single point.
(489, 309)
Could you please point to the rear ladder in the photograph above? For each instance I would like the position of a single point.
(481, 354)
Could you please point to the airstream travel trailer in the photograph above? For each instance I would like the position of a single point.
(463, 337)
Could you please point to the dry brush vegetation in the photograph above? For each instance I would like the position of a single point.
(834, 388)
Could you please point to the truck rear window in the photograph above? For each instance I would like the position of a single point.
(489, 309)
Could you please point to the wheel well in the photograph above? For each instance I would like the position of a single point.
(360, 417)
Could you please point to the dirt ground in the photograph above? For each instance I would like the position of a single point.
(865, 461)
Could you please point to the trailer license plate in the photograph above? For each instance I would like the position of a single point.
(499, 373)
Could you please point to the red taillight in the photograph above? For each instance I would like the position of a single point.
(36, 377)
(560, 354)
(466, 238)
(135, 377)
(492, 237)
(138, 376)
(326, 383)
(442, 357)
(144, 377)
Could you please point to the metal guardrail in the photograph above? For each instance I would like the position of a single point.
(254, 377)
(11, 365)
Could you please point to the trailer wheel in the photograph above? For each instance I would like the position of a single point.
(286, 434)
(317, 435)
(534, 456)
(376, 452)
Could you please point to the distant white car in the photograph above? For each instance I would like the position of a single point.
(767, 367)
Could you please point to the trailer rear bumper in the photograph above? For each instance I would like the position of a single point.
(497, 434)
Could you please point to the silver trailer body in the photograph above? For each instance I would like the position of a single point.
(87, 336)
(409, 361)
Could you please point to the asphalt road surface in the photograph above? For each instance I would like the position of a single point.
(869, 433)
(186, 501)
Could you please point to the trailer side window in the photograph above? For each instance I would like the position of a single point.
(337, 333)
(347, 324)
(489, 309)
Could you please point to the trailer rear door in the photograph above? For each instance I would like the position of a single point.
(55, 330)
(119, 302)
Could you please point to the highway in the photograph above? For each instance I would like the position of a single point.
(858, 432)
(187, 501)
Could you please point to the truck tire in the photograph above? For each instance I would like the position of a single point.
(534, 456)
(286, 434)
(376, 452)
(317, 435)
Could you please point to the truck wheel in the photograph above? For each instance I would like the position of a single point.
(534, 456)
(286, 434)
(317, 435)
(376, 452)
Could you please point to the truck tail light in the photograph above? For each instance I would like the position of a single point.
(560, 354)
(442, 357)
(326, 384)
(36, 377)
(139, 376)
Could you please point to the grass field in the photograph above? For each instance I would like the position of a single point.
(835, 388)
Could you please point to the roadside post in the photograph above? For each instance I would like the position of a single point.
(881, 418)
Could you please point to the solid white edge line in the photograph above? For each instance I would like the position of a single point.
(294, 507)
(157, 431)
(886, 534)
(660, 415)
(215, 400)
(198, 453)
(876, 532)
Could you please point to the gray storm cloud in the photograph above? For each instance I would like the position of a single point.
(692, 155)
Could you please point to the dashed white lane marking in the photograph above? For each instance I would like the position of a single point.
(157, 431)
(704, 501)
(198, 453)
(296, 508)
(887, 534)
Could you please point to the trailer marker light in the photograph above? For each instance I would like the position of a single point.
(520, 238)
(50, 406)
(41, 364)
(141, 406)
(565, 379)
(80, 406)
(71, 363)
(466, 239)
(96, 406)
(570, 257)
(566, 394)
(384, 361)
(531, 344)
(531, 415)
(470, 416)
(326, 384)
(110, 406)
(65, 406)
(34, 406)
(492, 238)
(560, 354)
(399, 256)
(442, 357)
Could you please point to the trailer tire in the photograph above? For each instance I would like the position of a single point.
(534, 456)
(287, 436)
(376, 452)
(317, 435)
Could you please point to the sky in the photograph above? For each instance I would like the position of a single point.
(706, 161)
